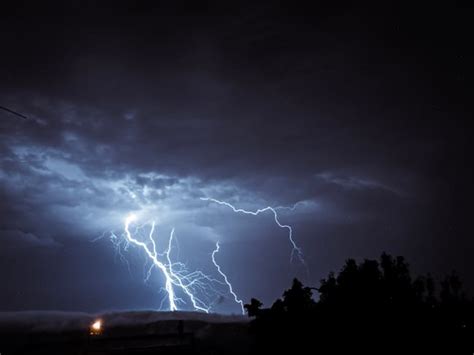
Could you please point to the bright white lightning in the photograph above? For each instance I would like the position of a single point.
(296, 249)
(177, 277)
(231, 290)
(175, 273)
(154, 258)
(197, 303)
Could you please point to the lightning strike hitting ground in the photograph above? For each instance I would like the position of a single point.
(153, 256)
(201, 289)
(176, 275)
(196, 286)
(231, 290)
(296, 249)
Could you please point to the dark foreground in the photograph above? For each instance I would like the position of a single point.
(370, 307)
(170, 336)
(201, 337)
(329, 333)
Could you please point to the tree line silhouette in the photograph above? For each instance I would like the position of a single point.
(372, 306)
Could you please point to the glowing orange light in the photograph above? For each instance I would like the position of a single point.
(96, 327)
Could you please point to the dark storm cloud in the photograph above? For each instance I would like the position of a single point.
(357, 115)
(25, 239)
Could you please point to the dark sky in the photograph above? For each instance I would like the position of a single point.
(360, 114)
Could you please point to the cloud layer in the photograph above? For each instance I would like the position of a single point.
(151, 114)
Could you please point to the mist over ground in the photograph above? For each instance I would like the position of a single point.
(57, 321)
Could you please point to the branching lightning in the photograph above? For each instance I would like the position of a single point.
(197, 287)
(180, 285)
(176, 275)
(231, 290)
(153, 255)
(296, 249)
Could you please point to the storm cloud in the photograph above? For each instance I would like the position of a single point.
(358, 119)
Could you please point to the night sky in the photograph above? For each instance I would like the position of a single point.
(359, 115)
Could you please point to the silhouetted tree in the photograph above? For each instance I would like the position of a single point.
(430, 290)
(419, 288)
(253, 309)
(451, 290)
(328, 290)
(278, 307)
(298, 298)
(366, 306)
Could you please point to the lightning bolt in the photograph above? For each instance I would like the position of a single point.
(296, 249)
(199, 288)
(197, 303)
(231, 290)
(196, 286)
(153, 255)
(175, 273)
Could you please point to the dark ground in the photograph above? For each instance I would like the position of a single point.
(127, 333)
